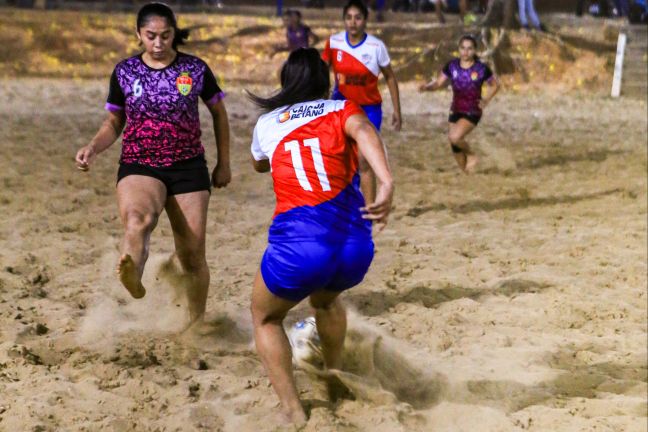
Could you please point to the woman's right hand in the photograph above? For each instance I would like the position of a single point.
(423, 87)
(85, 156)
(379, 210)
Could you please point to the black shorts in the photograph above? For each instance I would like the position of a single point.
(186, 176)
(472, 118)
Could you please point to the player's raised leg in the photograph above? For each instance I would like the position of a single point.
(464, 156)
(140, 200)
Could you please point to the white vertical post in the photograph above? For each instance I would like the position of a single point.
(618, 65)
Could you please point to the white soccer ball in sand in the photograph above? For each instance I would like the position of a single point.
(305, 342)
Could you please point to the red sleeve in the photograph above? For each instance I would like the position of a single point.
(326, 53)
(350, 108)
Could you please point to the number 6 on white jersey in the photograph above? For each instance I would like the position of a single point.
(318, 161)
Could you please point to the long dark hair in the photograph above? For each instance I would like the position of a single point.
(359, 4)
(162, 10)
(304, 77)
(473, 39)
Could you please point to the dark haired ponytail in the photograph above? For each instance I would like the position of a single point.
(180, 36)
(304, 77)
(473, 39)
(163, 11)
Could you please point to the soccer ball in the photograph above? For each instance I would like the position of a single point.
(305, 342)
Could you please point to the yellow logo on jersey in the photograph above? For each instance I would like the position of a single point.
(284, 116)
(184, 83)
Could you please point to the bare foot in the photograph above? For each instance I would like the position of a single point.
(185, 288)
(296, 417)
(129, 277)
(337, 390)
(198, 327)
(461, 160)
(471, 163)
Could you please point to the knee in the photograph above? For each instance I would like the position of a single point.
(139, 222)
(261, 317)
(454, 138)
(333, 306)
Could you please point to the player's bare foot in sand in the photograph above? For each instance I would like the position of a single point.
(197, 326)
(294, 417)
(461, 160)
(337, 390)
(471, 162)
(184, 285)
(129, 276)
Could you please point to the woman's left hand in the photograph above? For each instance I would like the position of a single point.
(221, 176)
(483, 103)
(397, 123)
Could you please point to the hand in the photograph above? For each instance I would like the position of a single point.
(221, 176)
(396, 121)
(84, 157)
(483, 103)
(423, 87)
(379, 210)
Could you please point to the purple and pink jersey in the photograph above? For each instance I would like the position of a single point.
(298, 38)
(161, 107)
(467, 85)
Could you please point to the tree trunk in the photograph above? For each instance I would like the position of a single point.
(501, 13)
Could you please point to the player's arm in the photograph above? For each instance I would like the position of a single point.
(371, 147)
(261, 166)
(392, 85)
(436, 84)
(222, 174)
(327, 54)
(312, 36)
(491, 91)
(108, 133)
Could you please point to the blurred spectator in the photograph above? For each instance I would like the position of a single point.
(454, 6)
(599, 8)
(638, 12)
(298, 34)
(526, 7)
(379, 7)
(622, 7)
(313, 3)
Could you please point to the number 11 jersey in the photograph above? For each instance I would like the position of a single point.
(314, 170)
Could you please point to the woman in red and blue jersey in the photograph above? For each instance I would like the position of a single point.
(320, 237)
(467, 75)
(153, 98)
(357, 59)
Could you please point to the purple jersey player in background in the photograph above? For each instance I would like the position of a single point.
(154, 98)
(298, 34)
(467, 75)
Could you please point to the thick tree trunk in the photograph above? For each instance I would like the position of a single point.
(501, 13)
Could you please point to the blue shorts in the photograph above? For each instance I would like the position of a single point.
(374, 112)
(295, 270)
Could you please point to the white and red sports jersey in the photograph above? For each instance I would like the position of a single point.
(356, 68)
(314, 169)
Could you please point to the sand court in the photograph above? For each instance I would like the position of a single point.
(510, 300)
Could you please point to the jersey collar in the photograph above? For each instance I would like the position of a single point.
(346, 36)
